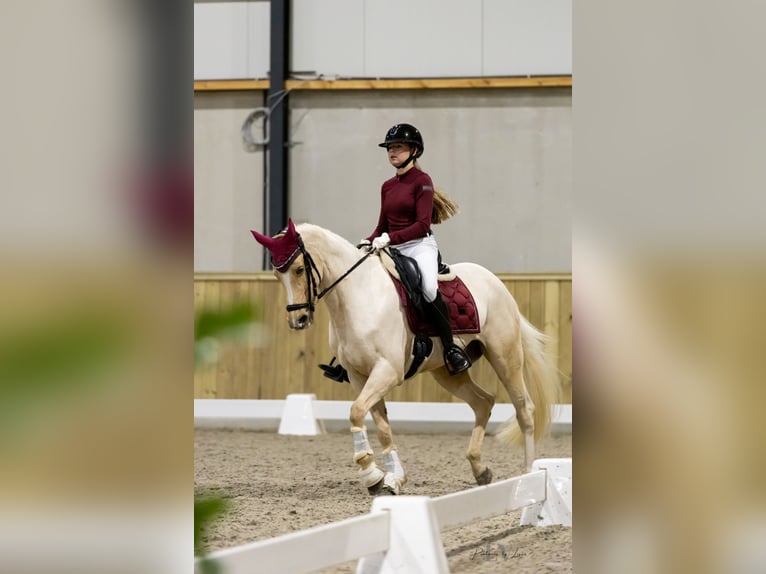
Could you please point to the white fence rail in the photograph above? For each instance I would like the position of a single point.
(311, 549)
(402, 533)
(268, 415)
(492, 500)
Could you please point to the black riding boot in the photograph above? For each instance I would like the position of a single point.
(455, 358)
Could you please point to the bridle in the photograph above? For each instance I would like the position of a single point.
(313, 278)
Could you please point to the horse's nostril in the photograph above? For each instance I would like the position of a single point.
(303, 320)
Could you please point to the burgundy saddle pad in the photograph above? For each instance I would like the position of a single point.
(463, 315)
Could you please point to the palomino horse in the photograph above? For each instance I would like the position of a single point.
(372, 340)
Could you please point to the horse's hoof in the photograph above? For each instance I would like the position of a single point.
(376, 488)
(387, 486)
(485, 477)
(381, 489)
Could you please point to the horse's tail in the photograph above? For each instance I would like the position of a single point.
(542, 381)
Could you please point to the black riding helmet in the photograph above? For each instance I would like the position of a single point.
(405, 133)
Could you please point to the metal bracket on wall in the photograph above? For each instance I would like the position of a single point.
(252, 144)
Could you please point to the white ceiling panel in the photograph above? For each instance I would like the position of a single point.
(527, 37)
(422, 38)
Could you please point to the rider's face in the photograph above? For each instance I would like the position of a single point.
(398, 153)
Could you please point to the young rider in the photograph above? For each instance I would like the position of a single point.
(405, 223)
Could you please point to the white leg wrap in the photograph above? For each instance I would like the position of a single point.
(393, 465)
(361, 444)
(370, 475)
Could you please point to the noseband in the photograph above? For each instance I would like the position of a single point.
(312, 283)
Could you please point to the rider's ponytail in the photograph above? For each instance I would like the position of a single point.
(444, 207)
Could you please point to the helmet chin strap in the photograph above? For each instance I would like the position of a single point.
(413, 155)
(406, 163)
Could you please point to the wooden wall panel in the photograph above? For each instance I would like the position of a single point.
(565, 338)
(278, 361)
(225, 370)
(205, 296)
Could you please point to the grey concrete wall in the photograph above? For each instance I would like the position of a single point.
(228, 183)
(504, 155)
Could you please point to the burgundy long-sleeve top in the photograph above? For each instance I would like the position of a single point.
(406, 203)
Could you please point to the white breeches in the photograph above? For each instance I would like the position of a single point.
(425, 251)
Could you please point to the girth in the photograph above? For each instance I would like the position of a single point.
(421, 350)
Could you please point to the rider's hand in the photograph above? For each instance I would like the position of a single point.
(380, 242)
(364, 243)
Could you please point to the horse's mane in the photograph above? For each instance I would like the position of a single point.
(325, 242)
(312, 233)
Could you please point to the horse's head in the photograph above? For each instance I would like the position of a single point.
(294, 272)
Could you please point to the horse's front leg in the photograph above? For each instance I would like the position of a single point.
(382, 378)
(395, 476)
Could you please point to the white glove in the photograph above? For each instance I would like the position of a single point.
(364, 243)
(380, 242)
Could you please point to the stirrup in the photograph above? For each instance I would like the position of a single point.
(335, 372)
(457, 354)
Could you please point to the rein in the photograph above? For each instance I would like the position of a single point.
(312, 283)
(342, 277)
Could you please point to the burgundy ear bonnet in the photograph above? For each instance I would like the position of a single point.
(284, 247)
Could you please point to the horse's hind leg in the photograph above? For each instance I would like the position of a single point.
(510, 372)
(481, 402)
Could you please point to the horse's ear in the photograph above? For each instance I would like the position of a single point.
(264, 240)
(290, 226)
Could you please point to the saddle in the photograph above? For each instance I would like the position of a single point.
(405, 274)
(405, 270)
(409, 276)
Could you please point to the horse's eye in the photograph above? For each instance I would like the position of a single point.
(299, 271)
